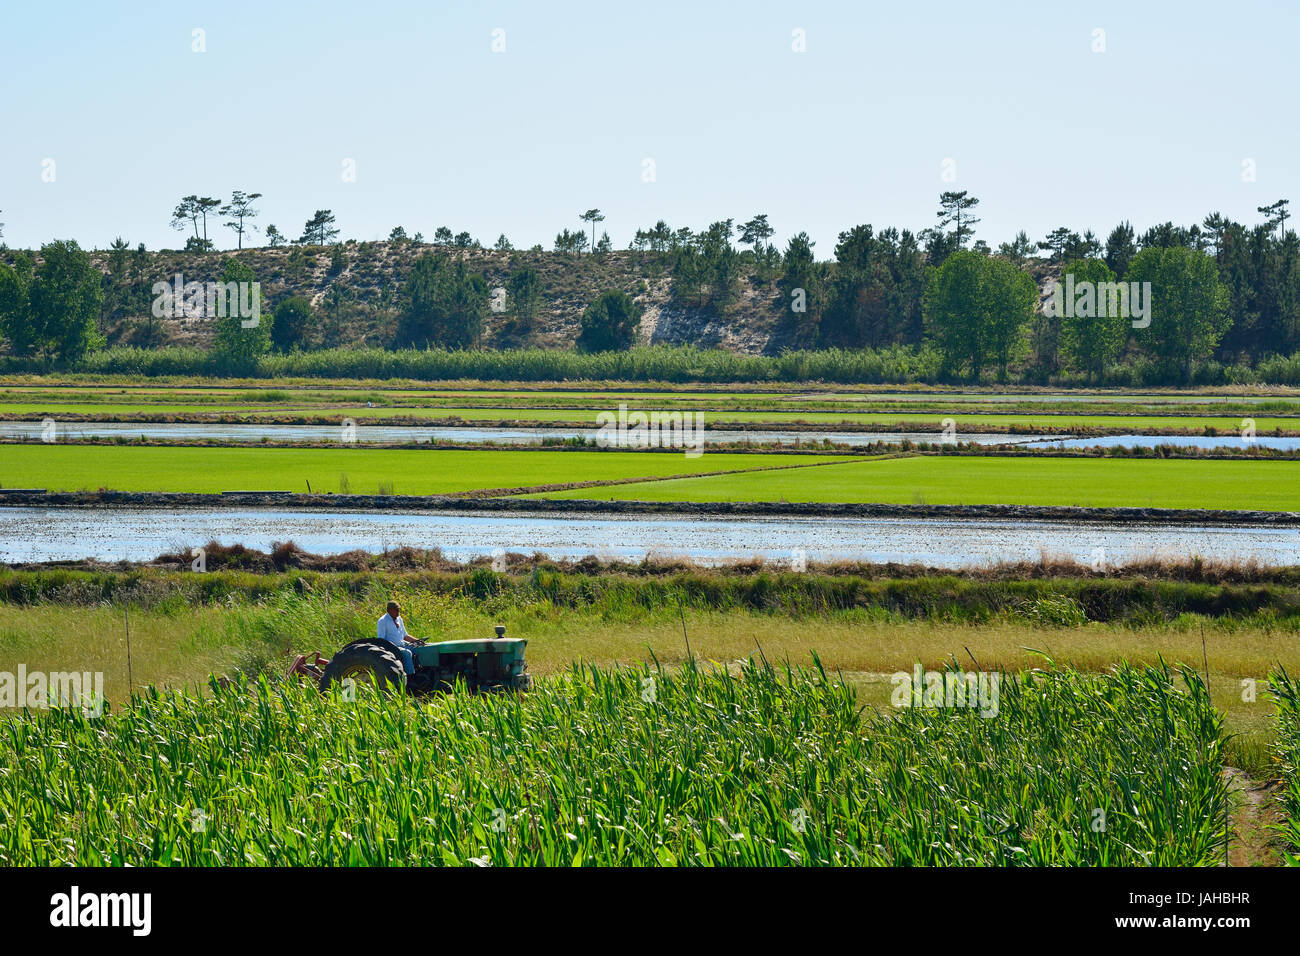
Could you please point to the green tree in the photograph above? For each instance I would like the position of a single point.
(593, 216)
(205, 205)
(241, 339)
(953, 312)
(338, 259)
(1008, 300)
(64, 300)
(274, 237)
(16, 322)
(1121, 247)
(956, 209)
(1276, 215)
(1086, 246)
(294, 319)
(1058, 241)
(977, 307)
(755, 233)
(117, 291)
(338, 296)
(443, 305)
(319, 229)
(1188, 303)
(571, 243)
(1019, 251)
(688, 271)
(1093, 341)
(803, 288)
(610, 323)
(239, 210)
(186, 211)
(524, 291)
(875, 290)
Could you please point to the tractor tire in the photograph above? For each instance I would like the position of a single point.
(368, 663)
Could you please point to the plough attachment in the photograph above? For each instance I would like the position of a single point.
(313, 669)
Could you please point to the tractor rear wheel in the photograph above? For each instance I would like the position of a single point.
(365, 664)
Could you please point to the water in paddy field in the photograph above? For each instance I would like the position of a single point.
(1179, 441)
(138, 534)
(401, 434)
(404, 434)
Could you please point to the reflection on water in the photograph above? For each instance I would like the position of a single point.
(1179, 441)
(404, 434)
(38, 534)
(401, 434)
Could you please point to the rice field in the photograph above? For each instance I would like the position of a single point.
(975, 480)
(1265, 485)
(627, 766)
(346, 470)
(1272, 410)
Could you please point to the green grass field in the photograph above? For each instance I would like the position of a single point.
(901, 420)
(1087, 482)
(405, 471)
(973, 410)
(918, 479)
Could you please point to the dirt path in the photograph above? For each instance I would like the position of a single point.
(1251, 842)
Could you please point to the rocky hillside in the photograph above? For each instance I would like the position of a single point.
(356, 297)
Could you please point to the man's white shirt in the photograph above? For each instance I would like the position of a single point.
(392, 631)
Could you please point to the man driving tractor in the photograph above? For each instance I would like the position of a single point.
(394, 660)
(392, 628)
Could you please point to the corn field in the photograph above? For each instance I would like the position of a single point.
(753, 765)
(1287, 693)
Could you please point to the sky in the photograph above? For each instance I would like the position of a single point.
(514, 118)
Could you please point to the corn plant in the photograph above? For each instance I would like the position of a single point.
(740, 766)
(1286, 691)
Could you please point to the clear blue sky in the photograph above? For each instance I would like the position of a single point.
(444, 131)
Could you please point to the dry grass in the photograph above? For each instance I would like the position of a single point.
(167, 650)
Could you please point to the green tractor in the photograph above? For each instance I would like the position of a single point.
(490, 665)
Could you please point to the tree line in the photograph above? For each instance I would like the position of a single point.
(1220, 290)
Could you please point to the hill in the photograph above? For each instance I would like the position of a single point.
(357, 297)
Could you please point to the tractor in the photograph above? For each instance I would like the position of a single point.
(490, 665)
